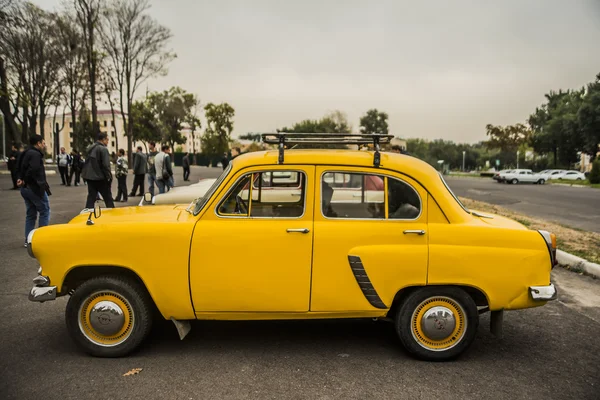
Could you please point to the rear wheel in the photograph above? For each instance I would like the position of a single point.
(437, 323)
(541, 181)
(109, 316)
(578, 179)
(514, 181)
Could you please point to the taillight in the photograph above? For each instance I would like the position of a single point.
(550, 239)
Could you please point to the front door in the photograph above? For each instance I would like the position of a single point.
(370, 239)
(251, 250)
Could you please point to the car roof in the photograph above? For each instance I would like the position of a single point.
(404, 164)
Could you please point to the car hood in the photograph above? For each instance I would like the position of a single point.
(165, 213)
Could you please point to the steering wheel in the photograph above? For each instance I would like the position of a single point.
(240, 205)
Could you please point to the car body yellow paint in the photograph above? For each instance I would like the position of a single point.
(211, 266)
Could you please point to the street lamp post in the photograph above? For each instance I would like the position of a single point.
(463, 168)
(517, 159)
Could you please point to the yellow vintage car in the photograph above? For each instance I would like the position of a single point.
(352, 234)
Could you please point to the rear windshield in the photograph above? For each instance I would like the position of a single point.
(453, 195)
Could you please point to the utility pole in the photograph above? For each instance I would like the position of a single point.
(3, 139)
(463, 168)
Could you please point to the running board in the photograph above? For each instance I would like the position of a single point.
(183, 327)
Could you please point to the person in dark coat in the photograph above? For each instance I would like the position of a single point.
(140, 167)
(12, 164)
(31, 178)
(96, 171)
(76, 166)
(186, 167)
(225, 160)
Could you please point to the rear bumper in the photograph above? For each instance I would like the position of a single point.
(543, 293)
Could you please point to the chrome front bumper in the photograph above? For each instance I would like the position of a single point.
(543, 293)
(42, 291)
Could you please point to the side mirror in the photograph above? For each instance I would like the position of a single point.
(148, 197)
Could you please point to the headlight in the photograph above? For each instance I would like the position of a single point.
(29, 243)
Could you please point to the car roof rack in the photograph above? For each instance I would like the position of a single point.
(292, 138)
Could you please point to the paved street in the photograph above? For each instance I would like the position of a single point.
(550, 352)
(570, 206)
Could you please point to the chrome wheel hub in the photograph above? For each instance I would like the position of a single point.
(107, 318)
(438, 323)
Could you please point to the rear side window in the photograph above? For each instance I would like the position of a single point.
(367, 196)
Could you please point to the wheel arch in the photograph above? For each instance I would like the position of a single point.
(479, 296)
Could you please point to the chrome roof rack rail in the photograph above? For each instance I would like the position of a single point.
(291, 138)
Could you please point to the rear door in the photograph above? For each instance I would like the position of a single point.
(370, 238)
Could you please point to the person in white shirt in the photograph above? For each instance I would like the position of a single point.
(64, 161)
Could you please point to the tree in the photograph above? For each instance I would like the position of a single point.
(219, 125)
(88, 14)
(171, 109)
(334, 122)
(84, 133)
(556, 127)
(255, 137)
(595, 173)
(588, 117)
(73, 73)
(135, 44)
(374, 122)
(507, 138)
(146, 127)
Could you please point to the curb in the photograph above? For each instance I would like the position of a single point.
(568, 185)
(48, 172)
(589, 268)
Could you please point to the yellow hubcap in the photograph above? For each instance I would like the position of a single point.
(106, 318)
(438, 323)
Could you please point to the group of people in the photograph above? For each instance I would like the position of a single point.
(29, 175)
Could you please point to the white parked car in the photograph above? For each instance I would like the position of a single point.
(570, 176)
(180, 194)
(502, 175)
(550, 174)
(523, 176)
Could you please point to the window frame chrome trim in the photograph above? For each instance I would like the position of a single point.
(216, 208)
(385, 194)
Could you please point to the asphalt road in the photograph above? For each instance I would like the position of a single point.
(570, 206)
(550, 352)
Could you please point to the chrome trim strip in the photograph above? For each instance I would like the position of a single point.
(29, 246)
(358, 270)
(543, 293)
(42, 294)
(41, 281)
(385, 194)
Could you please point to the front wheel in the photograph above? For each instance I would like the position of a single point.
(437, 323)
(109, 316)
(541, 181)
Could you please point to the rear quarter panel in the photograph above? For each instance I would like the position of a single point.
(500, 261)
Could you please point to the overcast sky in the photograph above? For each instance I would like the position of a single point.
(440, 69)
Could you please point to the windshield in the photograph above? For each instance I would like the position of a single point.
(453, 195)
(200, 202)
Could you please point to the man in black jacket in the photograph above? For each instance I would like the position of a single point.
(12, 164)
(140, 167)
(186, 167)
(31, 177)
(96, 171)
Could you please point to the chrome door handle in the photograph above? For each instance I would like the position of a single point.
(300, 230)
(414, 232)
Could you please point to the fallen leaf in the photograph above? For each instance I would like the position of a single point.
(132, 372)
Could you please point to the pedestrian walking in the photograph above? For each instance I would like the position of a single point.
(164, 172)
(225, 161)
(12, 164)
(96, 172)
(140, 167)
(151, 167)
(31, 178)
(76, 167)
(121, 170)
(64, 161)
(186, 167)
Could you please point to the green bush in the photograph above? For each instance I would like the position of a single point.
(595, 173)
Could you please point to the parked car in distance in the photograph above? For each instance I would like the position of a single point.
(571, 176)
(498, 176)
(298, 234)
(179, 194)
(523, 176)
(550, 174)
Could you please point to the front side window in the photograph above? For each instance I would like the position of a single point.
(259, 200)
(367, 196)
